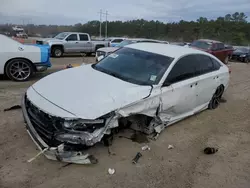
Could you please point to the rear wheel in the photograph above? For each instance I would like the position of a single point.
(214, 102)
(19, 70)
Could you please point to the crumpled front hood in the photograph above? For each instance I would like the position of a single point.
(108, 49)
(88, 93)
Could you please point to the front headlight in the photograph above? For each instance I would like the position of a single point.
(79, 123)
(243, 55)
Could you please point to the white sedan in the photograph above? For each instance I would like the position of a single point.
(145, 86)
(19, 61)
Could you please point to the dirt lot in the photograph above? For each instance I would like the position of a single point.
(227, 128)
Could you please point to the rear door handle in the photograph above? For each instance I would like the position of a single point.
(77, 42)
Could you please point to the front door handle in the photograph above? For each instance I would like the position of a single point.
(77, 42)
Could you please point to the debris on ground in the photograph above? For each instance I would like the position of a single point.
(69, 66)
(111, 171)
(136, 158)
(15, 107)
(146, 147)
(210, 150)
(170, 146)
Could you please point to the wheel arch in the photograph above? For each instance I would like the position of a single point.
(57, 45)
(16, 58)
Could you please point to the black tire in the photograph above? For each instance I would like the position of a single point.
(246, 60)
(215, 101)
(57, 51)
(19, 70)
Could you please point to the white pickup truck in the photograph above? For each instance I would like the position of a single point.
(72, 42)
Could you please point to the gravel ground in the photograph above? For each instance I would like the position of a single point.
(183, 166)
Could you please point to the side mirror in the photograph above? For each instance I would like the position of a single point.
(100, 58)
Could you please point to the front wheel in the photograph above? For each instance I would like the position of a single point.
(19, 70)
(57, 52)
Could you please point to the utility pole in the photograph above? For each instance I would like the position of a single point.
(106, 31)
(100, 23)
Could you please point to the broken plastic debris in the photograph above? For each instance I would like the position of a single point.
(111, 171)
(170, 146)
(210, 150)
(136, 158)
(146, 147)
(37, 155)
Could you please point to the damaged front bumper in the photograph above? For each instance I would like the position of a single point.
(55, 153)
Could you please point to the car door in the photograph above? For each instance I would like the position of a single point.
(208, 70)
(72, 43)
(84, 43)
(179, 90)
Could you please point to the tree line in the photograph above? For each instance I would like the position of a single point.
(232, 29)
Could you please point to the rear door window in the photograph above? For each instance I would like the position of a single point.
(83, 37)
(203, 64)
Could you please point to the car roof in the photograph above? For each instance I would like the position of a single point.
(209, 40)
(141, 39)
(165, 49)
(68, 32)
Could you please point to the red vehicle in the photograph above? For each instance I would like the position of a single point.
(216, 48)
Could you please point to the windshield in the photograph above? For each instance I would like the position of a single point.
(242, 50)
(201, 44)
(125, 42)
(135, 66)
(61, 36)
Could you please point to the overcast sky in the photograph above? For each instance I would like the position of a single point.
(80, 11)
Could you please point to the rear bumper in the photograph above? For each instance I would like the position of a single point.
(54, 153)
(40, 67)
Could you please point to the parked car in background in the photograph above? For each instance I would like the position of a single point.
(72, 42)
(241, 54)
(213, 47)
(114, 41)
(180, 43)
(142, 86)
(103, 52)
(19, 61)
